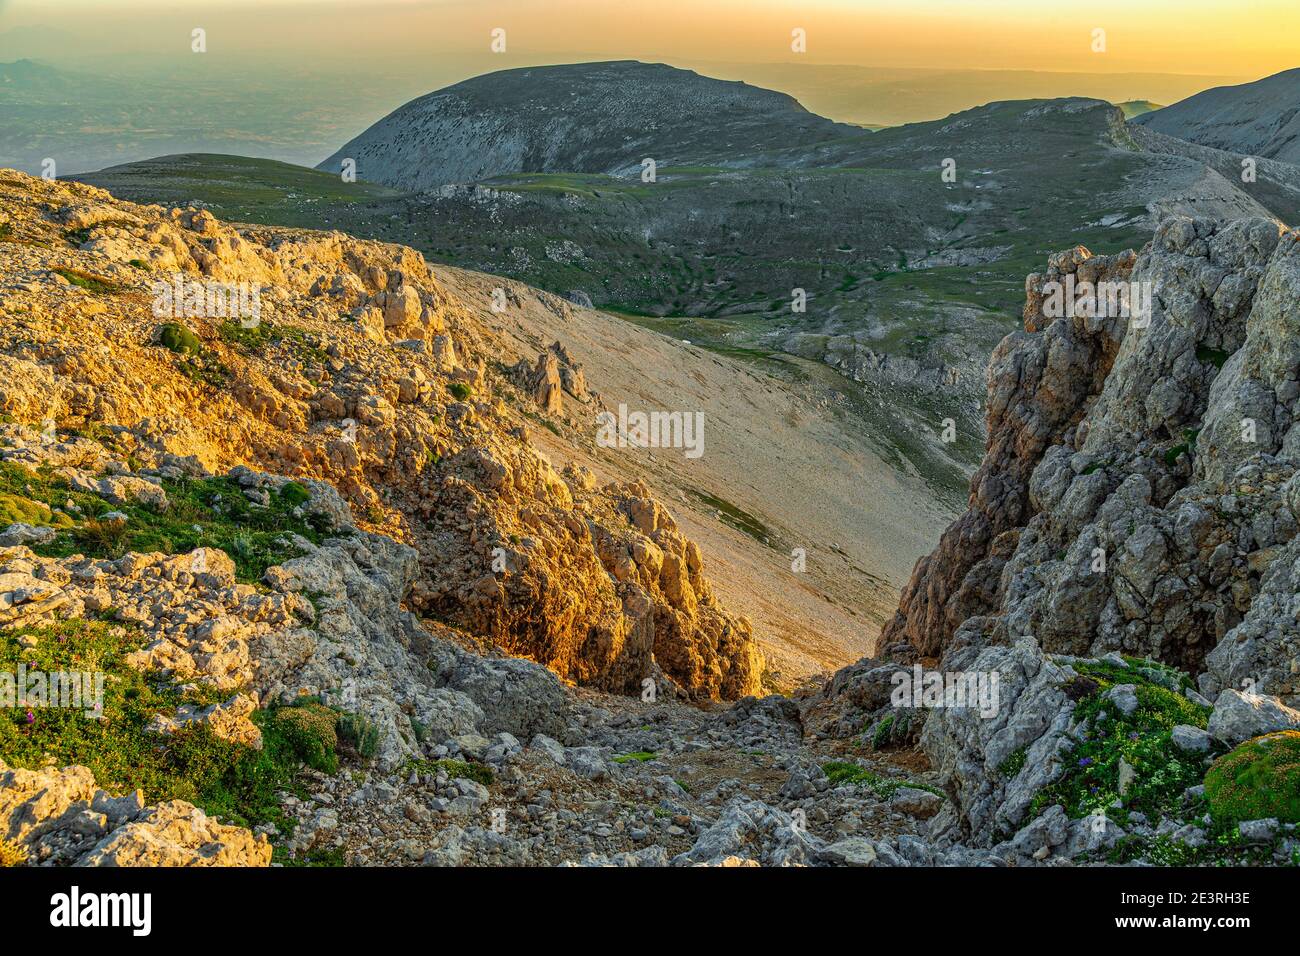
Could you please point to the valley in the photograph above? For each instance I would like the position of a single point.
(947, 570)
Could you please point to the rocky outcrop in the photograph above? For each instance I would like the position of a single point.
(60, 817)
(550, 377)
(1087, 514)
(542, 382)
(1039, 380)
(1137, 498)
(360, 373)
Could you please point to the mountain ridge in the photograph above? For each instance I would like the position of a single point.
(520, 120)
(1258, 119)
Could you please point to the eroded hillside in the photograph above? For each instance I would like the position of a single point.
(364, 372)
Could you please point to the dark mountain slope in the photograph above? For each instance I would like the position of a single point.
(1259, 119)
(584, 118)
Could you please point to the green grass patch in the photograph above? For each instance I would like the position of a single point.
(840, 772)
(1142, 740)
(207, 512)
(737, 518)
(232, 781)
(452, 768)
(88, 281)
(1012, 766)
(1224, 845)
(15, 509)
(460, 390)
(301, 343)
(641, 756)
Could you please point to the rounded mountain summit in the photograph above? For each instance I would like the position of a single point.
(582, 118)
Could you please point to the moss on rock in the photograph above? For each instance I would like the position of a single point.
(1260, 778)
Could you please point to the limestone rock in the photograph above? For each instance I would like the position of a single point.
(1238, 717)
(61, 817)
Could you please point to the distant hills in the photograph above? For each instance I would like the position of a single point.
(29, 77)
(1260, 119)
(908, 278)
(581, 118)
(1134, 108)
(890, 96)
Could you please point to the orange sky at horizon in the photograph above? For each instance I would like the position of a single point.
(1248, 38)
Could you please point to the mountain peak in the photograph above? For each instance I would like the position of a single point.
(1260, 118)
(602, 117)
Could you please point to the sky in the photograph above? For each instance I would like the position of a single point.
(1248, 38)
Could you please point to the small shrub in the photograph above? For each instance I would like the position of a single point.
(880, 736)
(460, 390)
(294, 494)
(360, 733)
(103, 536)
(1260, 778)
(311, 729)
(11, 854)
(177, 338)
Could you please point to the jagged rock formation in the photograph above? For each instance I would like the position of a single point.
(59, 817)
(1137, 498)
(368, 375)
(1127, 445)
(1037, 386)
(542, 382)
